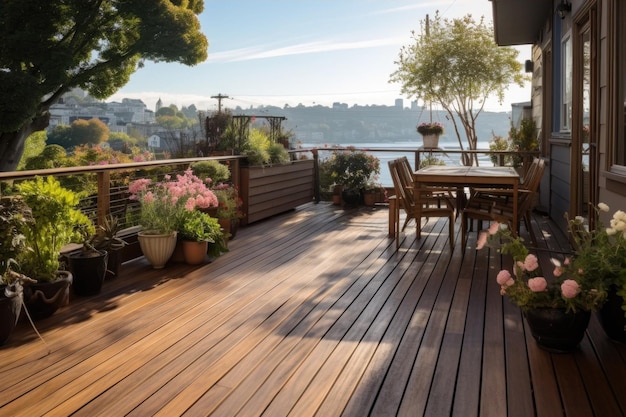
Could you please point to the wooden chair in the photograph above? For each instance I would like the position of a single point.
(418, 203)
(496, 204)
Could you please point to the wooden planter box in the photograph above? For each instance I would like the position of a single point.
(269, 190)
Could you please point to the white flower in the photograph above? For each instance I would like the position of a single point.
(610, 231)
(603, 207)
(579, 219)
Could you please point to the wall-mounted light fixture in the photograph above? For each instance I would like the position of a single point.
(528, 66)
(563, 8)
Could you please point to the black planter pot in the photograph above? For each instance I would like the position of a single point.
(351, 197)
(555, 330)
(89, 270)
(42, 299)
(612, 316)
(10, 306)
(114, 262)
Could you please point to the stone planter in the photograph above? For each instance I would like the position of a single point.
(157, 248)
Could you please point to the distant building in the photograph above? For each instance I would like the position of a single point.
(399, 103)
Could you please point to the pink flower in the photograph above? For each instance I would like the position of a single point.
(504, 278)
(558, 271)
(531, 263)
(570, 288)
(148, 197)
(482, 240)
(538, 284)
(493, 228)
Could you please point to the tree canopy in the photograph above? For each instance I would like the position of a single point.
(49, 47)
(457, 64)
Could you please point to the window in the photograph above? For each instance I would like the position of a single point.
(566, 85)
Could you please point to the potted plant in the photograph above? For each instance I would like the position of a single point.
(88, 266)
(601, 252)
(373, 192)
(352, 169)
(57, 222)
(106, 238)
(229, 208)
(15, 215)
(162, 205)
(430, 132)
(197, 232)
(557, 308)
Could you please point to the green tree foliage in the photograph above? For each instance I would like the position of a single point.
(33, 146)
(457, 64)
(80, 132)
(50, 47)
(121, 142)
(52, 156)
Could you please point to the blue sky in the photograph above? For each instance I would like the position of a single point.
(277, 52)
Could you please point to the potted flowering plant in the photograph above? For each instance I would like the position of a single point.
(162, 205)
(430, 132)
(601, 252)
(557, 308)
(229, 208)
(430, 128)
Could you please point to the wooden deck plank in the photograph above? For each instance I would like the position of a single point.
(313, 312)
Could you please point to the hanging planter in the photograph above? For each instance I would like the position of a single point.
(430, 132)
(431, 140)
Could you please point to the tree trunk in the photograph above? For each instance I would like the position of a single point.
(12, 143)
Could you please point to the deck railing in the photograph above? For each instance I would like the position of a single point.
(112, 180)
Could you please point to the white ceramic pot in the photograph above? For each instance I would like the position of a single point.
(157, 248)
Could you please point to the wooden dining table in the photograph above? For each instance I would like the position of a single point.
(470, 176)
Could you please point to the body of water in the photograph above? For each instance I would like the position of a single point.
(385, 157)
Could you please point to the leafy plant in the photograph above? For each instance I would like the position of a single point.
(353, 169)
(15, 216)
(601, 252)
(198, 226)
(57, 222)
(213, 170)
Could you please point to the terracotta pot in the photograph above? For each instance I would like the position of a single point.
(157, 248)
(42, 299)
(195, 252)
(555, 330)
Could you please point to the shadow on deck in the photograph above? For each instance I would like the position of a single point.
(312, 312)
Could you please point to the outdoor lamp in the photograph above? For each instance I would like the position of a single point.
(563, 8)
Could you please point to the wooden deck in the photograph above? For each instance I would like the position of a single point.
(312, 312)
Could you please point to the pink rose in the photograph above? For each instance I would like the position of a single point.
(569, 288)
(531, 263)
(493, 228)
(482, 240)
(537, 284)
(557, 271)
(504, 277)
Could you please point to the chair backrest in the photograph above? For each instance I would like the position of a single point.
(400, 185)
(528, 200)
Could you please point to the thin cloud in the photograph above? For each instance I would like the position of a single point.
(248, 54)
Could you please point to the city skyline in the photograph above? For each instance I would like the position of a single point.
(309, 52)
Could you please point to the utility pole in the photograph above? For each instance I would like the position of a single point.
(219, 98)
